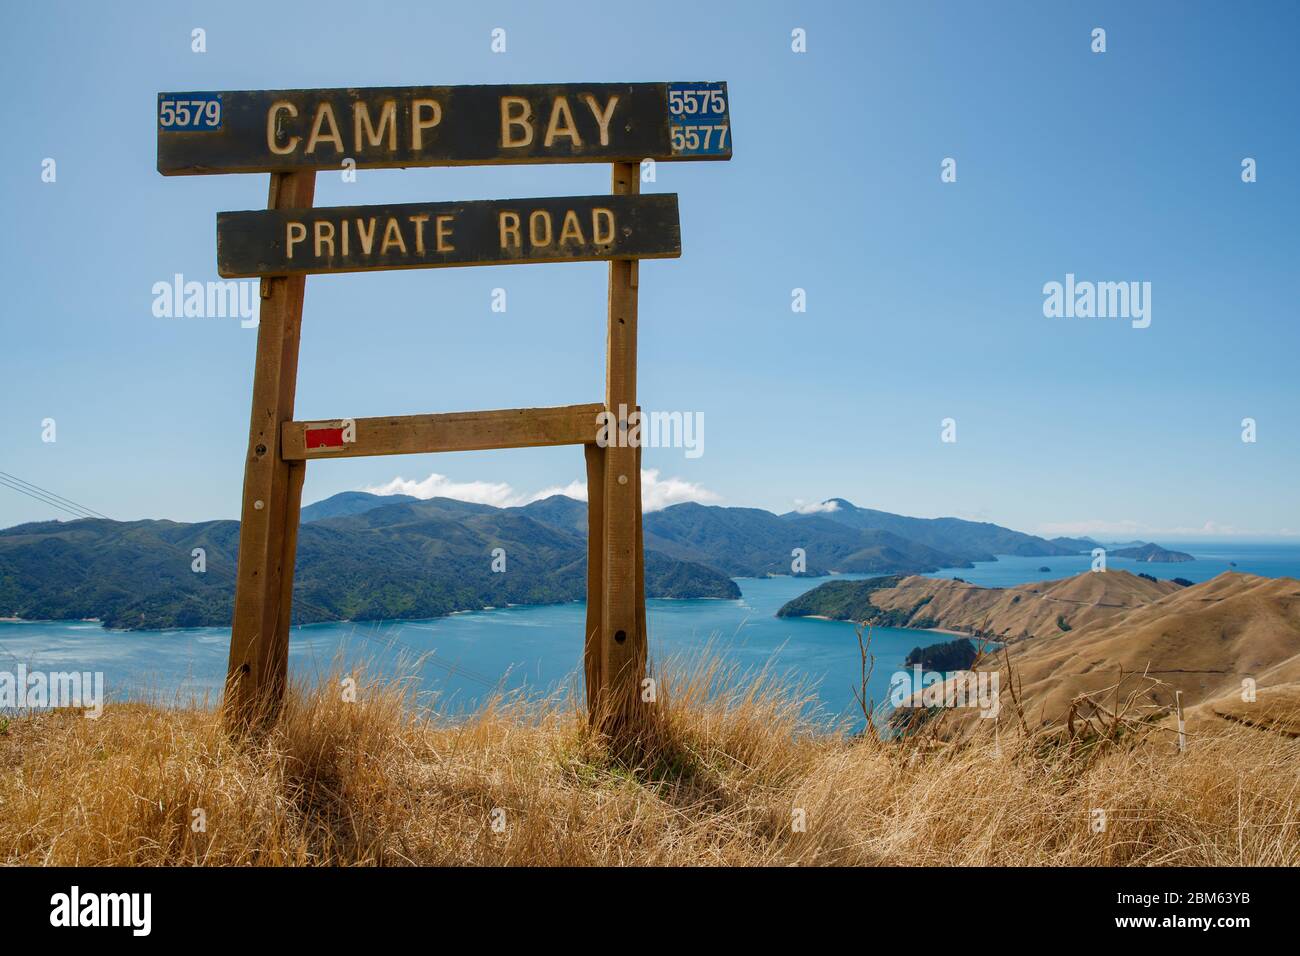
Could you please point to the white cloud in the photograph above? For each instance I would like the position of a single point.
(574, 489)
(816, 507)
(498, 493)
(656, 492)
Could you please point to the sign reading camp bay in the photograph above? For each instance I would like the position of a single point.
(278, 130)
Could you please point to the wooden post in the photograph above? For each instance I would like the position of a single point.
(592, 650)
(593, 653)
(640, 581)
(622, 637)
(268, 530)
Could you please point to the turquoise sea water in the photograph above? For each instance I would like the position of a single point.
(539, 649)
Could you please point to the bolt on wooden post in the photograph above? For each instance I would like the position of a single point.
(292, 134)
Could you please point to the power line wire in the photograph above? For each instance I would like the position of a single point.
(51, 494)
(57, 499)
(44, 500)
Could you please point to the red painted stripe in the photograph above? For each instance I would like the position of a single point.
(324, 438)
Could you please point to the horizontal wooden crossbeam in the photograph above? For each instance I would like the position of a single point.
(451, 431)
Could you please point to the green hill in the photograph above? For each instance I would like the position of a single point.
(843, 601)
(749, 542)
(966, 540)
(740, 542)
(407, 560)
(348, 503)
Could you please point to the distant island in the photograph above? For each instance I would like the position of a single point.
(1135, 550)
(1077, 545)
(1152, 553)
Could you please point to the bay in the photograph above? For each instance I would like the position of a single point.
(457, 662)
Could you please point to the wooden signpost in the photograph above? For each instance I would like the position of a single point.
(293, 133)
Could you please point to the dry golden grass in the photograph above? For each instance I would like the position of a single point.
(378, 782)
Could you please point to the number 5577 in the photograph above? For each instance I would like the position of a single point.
(691, 138)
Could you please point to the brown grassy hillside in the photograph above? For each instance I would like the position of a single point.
(1276, 708)
(1202, 640)
(376, 782)
(1035, 609)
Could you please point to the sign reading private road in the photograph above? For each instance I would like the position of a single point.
(429, 235)
(270, 130)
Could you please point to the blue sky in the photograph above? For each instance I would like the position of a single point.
(925, 298)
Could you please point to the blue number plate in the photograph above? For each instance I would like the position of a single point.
(698, 121)
(189, 112)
